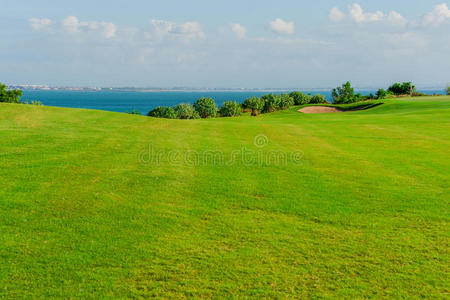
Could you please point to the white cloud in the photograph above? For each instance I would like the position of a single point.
(109, 29)
(397, 19)
(188, 30)
(282, 27)
(73, 25)
(40, 24)
(174, 51)
(437, 16)
(239, 30)
(359, 16)
(336, 15)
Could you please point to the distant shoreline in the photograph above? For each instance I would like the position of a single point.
(187, 90)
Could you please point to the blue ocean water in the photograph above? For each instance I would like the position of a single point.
(119, 101)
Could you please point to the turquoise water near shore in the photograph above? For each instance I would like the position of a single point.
(119, 101)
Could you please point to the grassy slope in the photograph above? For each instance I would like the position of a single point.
(365, 214)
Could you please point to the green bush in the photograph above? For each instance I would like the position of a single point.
(32, 102)
(300, 98)
(344, 94)
(381, 94)
(9, 96)
(206, 107)
(185, 111)
(133, 112)
(404, 88)
(255, 104)
(318, 99)
(163, 112)
(271, 103)
(448, 90)
(230, 109)
(285, 101)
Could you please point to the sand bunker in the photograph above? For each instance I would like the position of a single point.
(319, 110)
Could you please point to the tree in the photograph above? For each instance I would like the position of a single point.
(185, 111)
(448, 90)
(286, 101)
(271, 102)
(318, 99)
(9, 96)
(404, 88)
(230, 109)
(300, 98)
(381, 94)
(255, 104)
(344, 94)
(163, 112)
(206, 107)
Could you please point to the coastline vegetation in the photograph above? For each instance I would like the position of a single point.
(345, 94)
(13, 96)
(206, 107)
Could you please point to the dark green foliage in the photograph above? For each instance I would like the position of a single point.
(163, 112)
(382, 94)
(448, 90)
(133, 112)
(255, 104)
(318, 99)
(185, 111)
(271, 102)
(300, 98)
(344, 94)
(9, 96)
(285, 101)
(206, 107)
(230, 109)
(404, 88)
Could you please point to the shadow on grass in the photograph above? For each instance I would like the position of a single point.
(360, 106)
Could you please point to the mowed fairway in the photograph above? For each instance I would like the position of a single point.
(364, 212)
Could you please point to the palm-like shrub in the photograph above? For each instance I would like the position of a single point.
(230, 109)
(318, 99)
(300, 98)
(255, 104)
(206, 107)
(285, 101)
(185, 111)
(271, 102)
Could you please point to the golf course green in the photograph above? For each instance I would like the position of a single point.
(355, 204)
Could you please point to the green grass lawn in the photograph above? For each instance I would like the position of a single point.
(364, 213)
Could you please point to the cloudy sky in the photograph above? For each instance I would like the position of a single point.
(233, 43)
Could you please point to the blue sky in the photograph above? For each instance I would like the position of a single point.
(290, 43)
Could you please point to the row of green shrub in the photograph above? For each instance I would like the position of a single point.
(346, 93)
(207, 108)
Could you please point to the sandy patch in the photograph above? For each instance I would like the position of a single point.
(319, 110)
